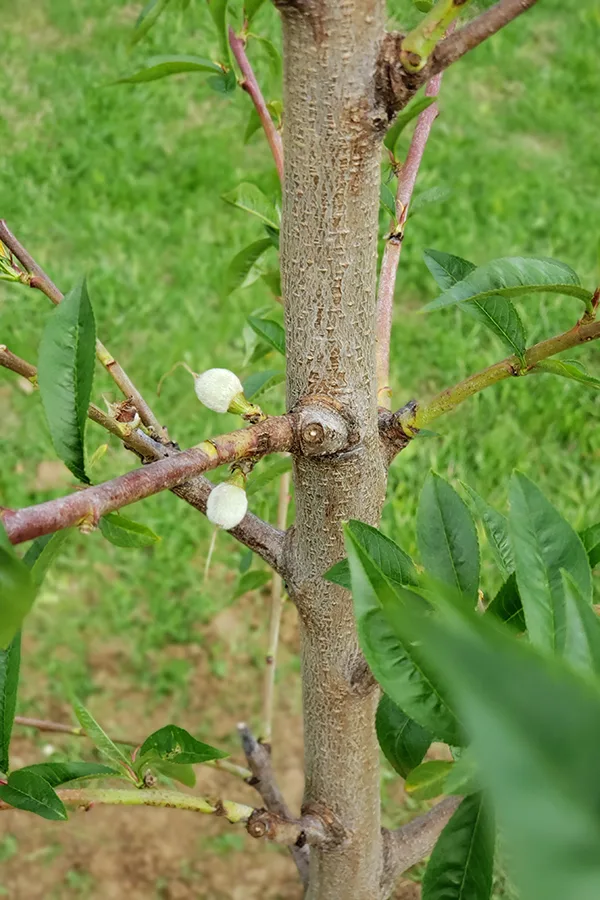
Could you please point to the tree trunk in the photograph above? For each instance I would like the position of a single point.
(329, 255)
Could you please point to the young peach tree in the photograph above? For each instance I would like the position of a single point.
(394, 654)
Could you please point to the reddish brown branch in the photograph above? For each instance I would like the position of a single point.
(87, 506)
(477, 31)
(44, 283)
(252, 88)
(407, 178)
(261, 537)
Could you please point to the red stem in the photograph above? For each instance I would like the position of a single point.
(251, 86)
(391, 257)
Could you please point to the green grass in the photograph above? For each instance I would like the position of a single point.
(124, 183)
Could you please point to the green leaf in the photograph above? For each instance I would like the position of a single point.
(17, 590)
(568, 368)
(28, 791)
(251, 581)
(175, 745)
(240, 271)
(410, 112)
(447, 537)
(543, 544)
(56, 773)
(582, 629)
(253, 125)
(395, 564)
(424, 199)
(124, 532)
(535, 727)
(163, 66)
(591, 541)
(428, 779)
(512, 277)
(270, 331)
(462, 863)
(272, 279)
(65, 375)
(257, 482)
(403, 741)
(399, 667)
(251, 7)
(496, 531)
(496, 313)
(147, 18)
(387, 200)
(218, 11)
(182, 774)
(260, 382)
(10, 662)
(251, 199)
(272, 53)
(42, 553)
(507, 605)
(225, 83)
(99, 737)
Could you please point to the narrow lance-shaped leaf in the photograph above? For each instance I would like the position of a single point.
(29, 791)
(251, 7)
(395, 564)
(568, 368)
(428, 779)
(507, 605)
(218, 11)
(175, 745)
(513, 277)
(261, 382)
(99, 737)
(270, 331)
(162, 66)
(124, 532)
(399, 668)
(259, 480)
(410, 112)
(535, 727)
(56, 773)
(422, 200)
(251, 199)
(496, 313)
(241, 271)
(147, 18)
(65, 375)
(37, 560)
(582, 629)
(403, 741)
(591, 541)
(496, 530)
(447, 537)
(543, 544)
(251, 581)
(387, 200)
(17, 591)
(462, 863)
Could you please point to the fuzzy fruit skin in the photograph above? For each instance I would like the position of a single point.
(227, 505)
(216, 388)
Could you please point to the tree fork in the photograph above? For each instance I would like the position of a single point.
(328, 259)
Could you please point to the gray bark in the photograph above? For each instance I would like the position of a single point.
(329, 231)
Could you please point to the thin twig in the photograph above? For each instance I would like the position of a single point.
(85, 508)
(407, 178)
(407, 421)
(261, 537)
(44, 283)
(276, 608)
(477, 31)
(258, 757)
(410, 844)
(252, 88)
